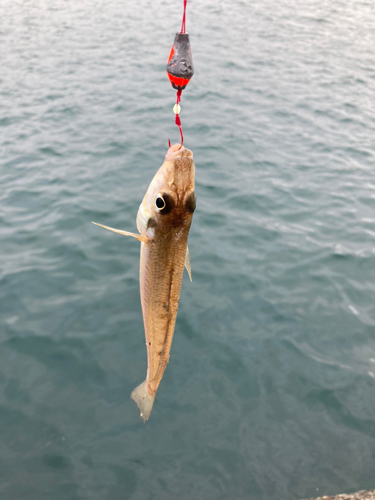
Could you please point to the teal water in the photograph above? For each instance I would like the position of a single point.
(270, 390)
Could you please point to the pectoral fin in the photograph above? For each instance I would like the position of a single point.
(119, 231)
(187, 263)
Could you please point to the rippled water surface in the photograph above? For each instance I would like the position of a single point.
(270, 390)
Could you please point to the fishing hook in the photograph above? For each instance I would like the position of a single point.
(182, 139)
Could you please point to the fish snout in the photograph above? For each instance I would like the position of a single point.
(176, 151)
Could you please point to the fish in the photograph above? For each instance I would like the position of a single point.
(163, 221)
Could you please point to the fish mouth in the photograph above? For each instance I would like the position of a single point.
(178, 151)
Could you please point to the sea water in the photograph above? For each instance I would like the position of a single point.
(270, 389)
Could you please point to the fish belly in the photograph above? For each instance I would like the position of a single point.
(161, 272)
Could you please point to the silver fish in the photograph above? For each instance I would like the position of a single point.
(163, 221)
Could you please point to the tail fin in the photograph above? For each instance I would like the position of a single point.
(144, 400)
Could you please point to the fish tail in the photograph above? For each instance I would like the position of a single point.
(144, 400)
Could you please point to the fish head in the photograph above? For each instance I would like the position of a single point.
(170, 199)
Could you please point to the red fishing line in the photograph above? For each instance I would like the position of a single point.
(183, 27)
(180, 66)
(178, 123)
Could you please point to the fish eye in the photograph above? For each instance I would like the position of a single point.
(191, 202)
(160, 202)
(164, 203)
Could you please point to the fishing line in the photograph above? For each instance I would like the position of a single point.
(180, 68)
(184, 18)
